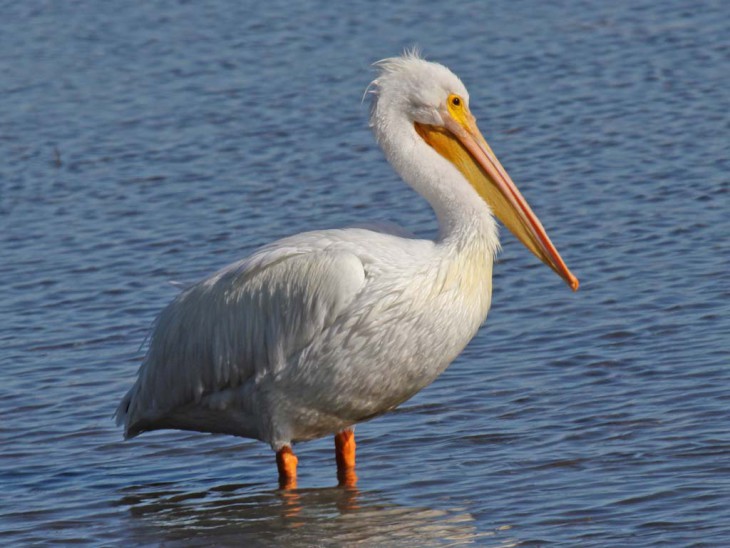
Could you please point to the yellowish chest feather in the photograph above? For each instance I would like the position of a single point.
(467, 276)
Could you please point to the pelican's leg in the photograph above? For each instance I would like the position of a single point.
(286, 462)
(345, 455)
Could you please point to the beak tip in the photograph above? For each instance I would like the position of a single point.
(573, 283)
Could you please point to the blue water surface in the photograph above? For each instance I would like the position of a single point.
(154, 142)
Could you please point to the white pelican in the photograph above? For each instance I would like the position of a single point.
(318, 331)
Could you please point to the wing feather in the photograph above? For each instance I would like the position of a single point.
(240, 325)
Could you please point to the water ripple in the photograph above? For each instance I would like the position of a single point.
(149, 145)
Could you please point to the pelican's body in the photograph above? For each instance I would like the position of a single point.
(352, 336)
(316, 332)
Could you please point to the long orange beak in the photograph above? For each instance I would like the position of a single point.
(461, 142)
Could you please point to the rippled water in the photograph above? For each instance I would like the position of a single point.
(150, 143)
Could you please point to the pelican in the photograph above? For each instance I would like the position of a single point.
(316, 332)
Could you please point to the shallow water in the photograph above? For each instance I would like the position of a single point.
(154, 143)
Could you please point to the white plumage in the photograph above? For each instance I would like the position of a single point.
(321, 330)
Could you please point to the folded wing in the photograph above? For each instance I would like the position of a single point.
(239, 325)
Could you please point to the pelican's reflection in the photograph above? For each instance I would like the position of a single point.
(249, 515)
(292, 501)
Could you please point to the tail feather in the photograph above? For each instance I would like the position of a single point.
(121, 415)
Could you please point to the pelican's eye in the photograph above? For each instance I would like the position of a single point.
(457, 108)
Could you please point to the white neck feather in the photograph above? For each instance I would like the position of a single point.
(462, 214)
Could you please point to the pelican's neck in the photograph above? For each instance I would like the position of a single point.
(463, 216)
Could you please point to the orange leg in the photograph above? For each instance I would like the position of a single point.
(345, 455)
(286, 462)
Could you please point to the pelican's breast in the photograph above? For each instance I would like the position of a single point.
(468, 279)
(417, 312)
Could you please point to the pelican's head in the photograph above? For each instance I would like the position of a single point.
(427, 97)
